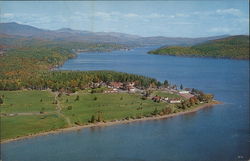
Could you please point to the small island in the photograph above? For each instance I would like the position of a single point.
(232, 47)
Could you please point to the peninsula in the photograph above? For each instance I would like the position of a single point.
(37, 99)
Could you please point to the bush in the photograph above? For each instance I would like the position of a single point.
(77, 98)
(69, 108)
(77, 122)
(92, 120)
(99, 117)
(97, 90)
(167, 110)
(54, 102)
(155, 112)
(42, 110)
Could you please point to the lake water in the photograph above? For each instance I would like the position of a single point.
(220, 133)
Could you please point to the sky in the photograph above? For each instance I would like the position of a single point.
(189, 18)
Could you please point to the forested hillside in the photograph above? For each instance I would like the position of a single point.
(31, 68)
(235, 47)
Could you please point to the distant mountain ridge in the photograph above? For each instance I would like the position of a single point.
(68, 34)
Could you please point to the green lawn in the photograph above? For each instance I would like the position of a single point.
(12, 127)
(113, 106)
(165, 94)
(26, 101)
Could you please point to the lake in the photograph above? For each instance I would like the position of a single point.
(220, 133)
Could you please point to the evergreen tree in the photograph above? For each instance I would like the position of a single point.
(77, 98)
(1, 101)
(99, 116)
(92, 120)
(165, 83)
(158, 84)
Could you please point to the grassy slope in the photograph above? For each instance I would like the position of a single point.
(12, 127)
(112, 106)
(236, 47)
(27, 101)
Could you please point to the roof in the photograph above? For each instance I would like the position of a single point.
(186, 95)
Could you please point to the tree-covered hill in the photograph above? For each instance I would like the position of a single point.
(30, 68)
(234, 47)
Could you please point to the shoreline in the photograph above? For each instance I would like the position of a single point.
(200, 56)
(103, 124)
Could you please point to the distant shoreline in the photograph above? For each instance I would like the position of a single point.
(200, 56)
(102, 124)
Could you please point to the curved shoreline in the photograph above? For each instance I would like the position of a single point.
(102, 124)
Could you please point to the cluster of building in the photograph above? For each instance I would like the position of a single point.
(114, 87)
(118, 87)
(166, 99)
(183, 93)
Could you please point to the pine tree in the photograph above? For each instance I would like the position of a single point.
(1, 101)
(166, 83)
(92, 119)
(181, 87)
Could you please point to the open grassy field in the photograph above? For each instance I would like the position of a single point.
(16, 126)
(111, 106)
(27, 101)
(71, 109)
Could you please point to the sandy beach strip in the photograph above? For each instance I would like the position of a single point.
(103, 124)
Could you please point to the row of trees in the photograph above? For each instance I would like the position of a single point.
(73, 80)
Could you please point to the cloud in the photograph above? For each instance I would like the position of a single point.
(217, 21)
(102, 14)
(181, 15)
(119, 15)
(7, 15)
(230, 11)
(220, 30)
(182, 23)
(132, 15)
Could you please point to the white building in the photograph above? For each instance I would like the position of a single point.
(183, 92)
(175, 101)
